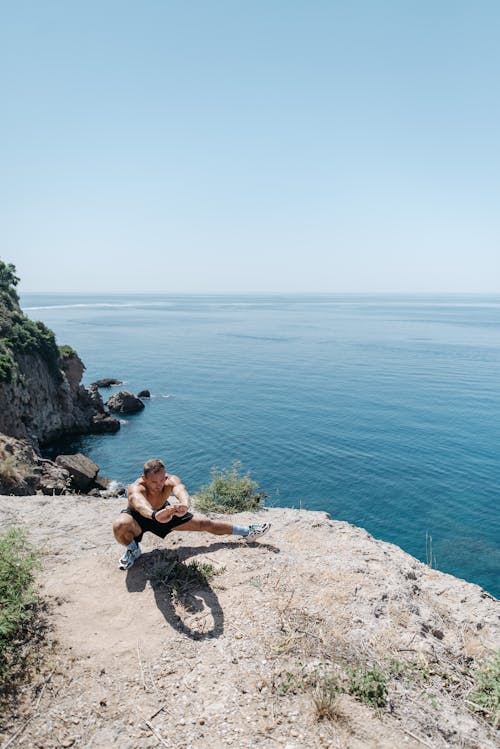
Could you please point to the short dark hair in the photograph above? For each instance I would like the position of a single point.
(153, 466)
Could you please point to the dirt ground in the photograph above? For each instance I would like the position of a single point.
(235, 661)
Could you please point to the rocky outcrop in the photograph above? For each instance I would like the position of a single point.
(107, 382)
(144, 394)
(23, 471)
(41, 398)
(124, 402)
(18, 466)
(82, 470)
(54, 479)
(41, 406)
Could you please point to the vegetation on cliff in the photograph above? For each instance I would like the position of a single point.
(229, 491)
(19, 334)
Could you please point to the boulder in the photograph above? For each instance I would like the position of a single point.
(82, 470)
(124, 402)
(144, 394)
(107, 382)
(103, 424)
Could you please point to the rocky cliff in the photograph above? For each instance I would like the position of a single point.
(41, 395)
(42, 405)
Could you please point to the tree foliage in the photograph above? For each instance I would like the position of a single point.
(19, 334)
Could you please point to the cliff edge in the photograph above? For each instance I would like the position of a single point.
(211, 642)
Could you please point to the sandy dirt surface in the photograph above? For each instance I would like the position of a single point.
(231, 662)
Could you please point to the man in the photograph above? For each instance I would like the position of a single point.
(150, 509)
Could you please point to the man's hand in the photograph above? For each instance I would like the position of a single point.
(163, 516)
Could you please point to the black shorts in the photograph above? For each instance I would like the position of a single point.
(154, 526)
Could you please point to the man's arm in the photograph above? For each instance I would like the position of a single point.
(180, 493)
(138, 502)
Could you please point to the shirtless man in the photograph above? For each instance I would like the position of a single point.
(150, 509)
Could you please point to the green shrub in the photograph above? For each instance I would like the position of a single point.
(368, 685)
(65, 352)
(17, 597)
(229, 491)
(486, 695)
(7, 364)
(19, 334)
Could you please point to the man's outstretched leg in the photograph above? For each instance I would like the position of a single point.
(223, 528)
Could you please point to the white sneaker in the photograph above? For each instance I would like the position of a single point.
(256, 531)
(131, 555)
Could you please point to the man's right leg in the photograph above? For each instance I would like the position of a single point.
(126, 529)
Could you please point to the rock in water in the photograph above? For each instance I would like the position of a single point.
(144, 394)
(124, 402)
(106, 382)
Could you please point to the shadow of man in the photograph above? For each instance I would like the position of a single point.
(187, 603)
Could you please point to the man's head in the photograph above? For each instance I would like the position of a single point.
(154, 474)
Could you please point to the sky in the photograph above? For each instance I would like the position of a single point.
(265, 146)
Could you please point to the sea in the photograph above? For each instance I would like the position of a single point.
(382, 410)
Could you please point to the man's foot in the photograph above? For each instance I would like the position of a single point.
(132, 553)
(256, 531)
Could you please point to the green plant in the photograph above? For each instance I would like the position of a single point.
(229, 491)
(8, 279)
(17, 597)
(7, 364)
(19, 334)
(486, 694)
(368, 685)
(65, 351)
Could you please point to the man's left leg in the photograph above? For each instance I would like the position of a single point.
(223, 528)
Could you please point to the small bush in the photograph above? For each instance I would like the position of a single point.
(229, 492)
(486, 695)
(66, 352)
(17, 599)
(368, 685)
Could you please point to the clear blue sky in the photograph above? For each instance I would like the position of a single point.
(272, 145)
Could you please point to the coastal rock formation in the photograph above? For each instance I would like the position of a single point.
(106, 382)
(124, 402)
(104, 424)
(82, 470)
(23, 471)
(41, 397)
(42, 405)
(281, 643)
(144, 394)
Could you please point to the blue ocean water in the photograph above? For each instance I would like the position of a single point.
(382, 410)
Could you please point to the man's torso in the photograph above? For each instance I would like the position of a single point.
(156, 499)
